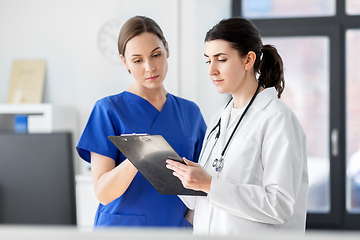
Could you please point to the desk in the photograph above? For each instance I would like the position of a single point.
(68, 233)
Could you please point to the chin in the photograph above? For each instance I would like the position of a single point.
(154, 86)
(221, 90)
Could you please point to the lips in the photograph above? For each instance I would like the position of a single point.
(152, 78)
(218, 81)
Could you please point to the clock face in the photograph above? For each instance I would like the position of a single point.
(108, 40)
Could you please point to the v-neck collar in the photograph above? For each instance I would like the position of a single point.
(139, 98)
(158, 117)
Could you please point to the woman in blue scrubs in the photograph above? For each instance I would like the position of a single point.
(126, 197)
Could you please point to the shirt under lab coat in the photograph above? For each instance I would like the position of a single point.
(264, 183)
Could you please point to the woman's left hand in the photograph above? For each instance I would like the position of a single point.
(192, 175)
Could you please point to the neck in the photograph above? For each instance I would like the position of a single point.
(244, 95)
(157, 96)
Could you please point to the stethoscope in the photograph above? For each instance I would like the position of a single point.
(218, 164)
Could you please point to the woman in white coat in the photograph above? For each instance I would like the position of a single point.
(253, 164)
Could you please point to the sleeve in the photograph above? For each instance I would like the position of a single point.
(283, 155)
(201, 129)
(189, 201)
(100, 125)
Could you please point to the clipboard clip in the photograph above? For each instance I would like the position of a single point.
(134, 134)
(141, 135)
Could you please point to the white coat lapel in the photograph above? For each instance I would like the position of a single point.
(223, 125)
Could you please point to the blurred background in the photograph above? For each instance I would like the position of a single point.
(77, 39)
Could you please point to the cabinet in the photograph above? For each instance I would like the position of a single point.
(86, 202)
(45, 118)
(39, 117)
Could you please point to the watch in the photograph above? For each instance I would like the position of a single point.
(108, 40)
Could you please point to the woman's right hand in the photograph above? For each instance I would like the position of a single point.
(191, 174)
(110, 182)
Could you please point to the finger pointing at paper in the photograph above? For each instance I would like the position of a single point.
(192, 175)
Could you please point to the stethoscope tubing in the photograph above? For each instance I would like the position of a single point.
(212, 148)
(232, 134)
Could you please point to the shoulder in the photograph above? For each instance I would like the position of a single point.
(268, 103)
(112, 98)
(279, 107)
(109, 107)
(184, 104)
(273, 109)
(111, 101)
(278, 112)
(281, 117)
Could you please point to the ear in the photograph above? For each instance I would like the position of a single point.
(167, 50)
(123, 59)
(250, 60)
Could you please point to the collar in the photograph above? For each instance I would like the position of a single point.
(261, 101)
(264, 98)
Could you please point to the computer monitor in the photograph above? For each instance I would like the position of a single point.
(37, 183)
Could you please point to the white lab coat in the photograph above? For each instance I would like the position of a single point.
(264, 183)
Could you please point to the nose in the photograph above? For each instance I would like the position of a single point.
(213, 70)
(150, 66)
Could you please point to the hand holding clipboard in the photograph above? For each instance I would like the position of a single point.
(148, 153)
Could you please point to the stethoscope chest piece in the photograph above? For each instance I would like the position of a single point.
(218, 164)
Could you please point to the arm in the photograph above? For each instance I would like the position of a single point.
(110, 182)
(190, 216)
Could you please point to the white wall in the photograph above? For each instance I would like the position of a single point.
(197, 17)
(64, 33)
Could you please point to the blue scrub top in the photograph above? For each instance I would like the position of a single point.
(180, 122)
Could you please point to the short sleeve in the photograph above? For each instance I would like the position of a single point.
(101, 124)
(201, 129)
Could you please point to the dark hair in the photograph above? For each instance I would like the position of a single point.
(244, 37)
(134, 27)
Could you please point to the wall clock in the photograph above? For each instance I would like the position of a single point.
(108, 39)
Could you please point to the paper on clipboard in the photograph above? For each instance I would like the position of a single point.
(148, 153)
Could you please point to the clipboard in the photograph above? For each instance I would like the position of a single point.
(148, 153)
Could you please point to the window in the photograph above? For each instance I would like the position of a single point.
(352, 121)
(307, 94)
(353, 7)
(286, 8)
(318, 40)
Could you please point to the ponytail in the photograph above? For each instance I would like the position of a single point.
(271, 69)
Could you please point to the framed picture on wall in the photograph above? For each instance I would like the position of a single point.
(27, 82)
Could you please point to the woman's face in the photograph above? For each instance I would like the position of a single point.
(146, 58)
(226, 67)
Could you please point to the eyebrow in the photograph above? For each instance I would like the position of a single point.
(136, 55)
(216, 55)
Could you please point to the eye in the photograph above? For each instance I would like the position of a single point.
(222, 60)
(136, 60)
(157, 55)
